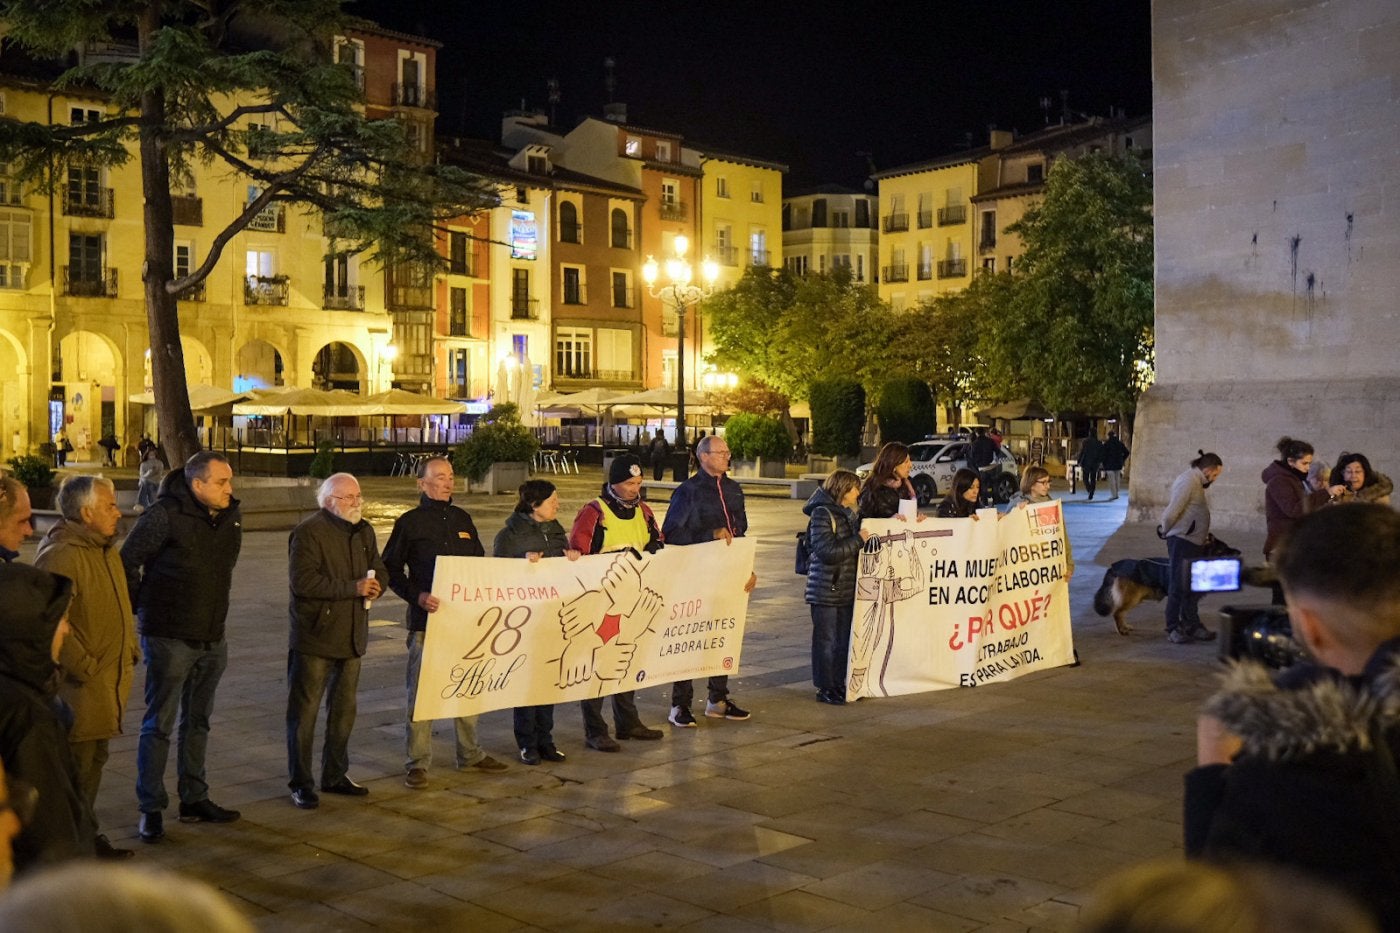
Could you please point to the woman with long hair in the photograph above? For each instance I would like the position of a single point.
(1186, 526)
(834, 538)
(533, 532)
(887, 483)
(963, 495)
(1360, 483)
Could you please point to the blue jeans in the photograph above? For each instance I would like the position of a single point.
(418, 736)
(308, 679)
(831, 646)
(1181, 602)
(179, 674)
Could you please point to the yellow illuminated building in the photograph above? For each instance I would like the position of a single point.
(925, 228)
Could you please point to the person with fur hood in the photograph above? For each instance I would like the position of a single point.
(1359, 482)
(1299, 769)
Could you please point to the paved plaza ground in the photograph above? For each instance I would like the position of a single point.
(996, 808)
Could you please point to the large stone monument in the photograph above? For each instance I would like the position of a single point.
(1277, 176)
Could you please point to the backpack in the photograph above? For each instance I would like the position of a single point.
(803, 564)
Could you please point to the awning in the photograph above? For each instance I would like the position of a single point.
(202, 397)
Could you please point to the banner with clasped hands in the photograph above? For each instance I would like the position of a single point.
(514, 633)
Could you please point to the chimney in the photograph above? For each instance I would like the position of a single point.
(615, 112)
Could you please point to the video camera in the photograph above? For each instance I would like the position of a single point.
(1258, 633)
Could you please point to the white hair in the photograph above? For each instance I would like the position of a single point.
(78, 492)
(90, 897)
(326, 492)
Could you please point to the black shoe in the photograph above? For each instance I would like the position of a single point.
(206, 811)
(644, 733)
(1200, 633)
(304, 798)
(830, 696)
(550, 753)
(346, 787)
(105, 850)
(529, 756)
(602, 743)
(151, 826)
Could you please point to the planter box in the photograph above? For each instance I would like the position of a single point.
(503, 477)
(817, 463)
(771, 468)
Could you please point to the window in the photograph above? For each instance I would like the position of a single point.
(337, 290)
(724, 245)
(614, 353)
(457, 253)
(184, 258)
(522, 197)
(860, 267)
(841, 261)
(85, 273)
(1008, 263)
(621, 234)
(670, 192)
(260, 263)
(989, 264)
(756, 194)
(819, 212)
(351, 54)
(988, 239)
(573, 285)
(840, 218)
(84, 189)
(721, 187)
(797, 264)
(521, 304)
(536, 165)
(1127, 142)
(863, 213)
(16, 237)
(78, 115)
(457, 313)
(821, 263)
(1035, 173)
(458, 374)
(410, 80)
(573, 353)
(569, 230)
(10, 192)
(758, 248)
(663, 151)
(621, 290)
(632, 147)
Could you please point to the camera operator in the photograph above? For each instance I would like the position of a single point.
(1301, 770)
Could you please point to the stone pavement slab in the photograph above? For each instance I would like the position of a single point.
(984, 809)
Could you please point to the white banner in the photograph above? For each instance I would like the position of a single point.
(512, 633)
(953, 602)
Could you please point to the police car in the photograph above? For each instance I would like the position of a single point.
(936, 459)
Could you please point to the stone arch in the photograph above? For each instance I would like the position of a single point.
(260, 364)
(340, 365)
(199, 365)
(85, 400)
(14, 396)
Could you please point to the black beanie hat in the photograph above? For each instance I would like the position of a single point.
(624, 468)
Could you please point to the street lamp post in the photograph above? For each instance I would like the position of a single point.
(680, 292)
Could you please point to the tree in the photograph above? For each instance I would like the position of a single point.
(201, 69)
(942, 341)
(1080, 322)
(788, 331)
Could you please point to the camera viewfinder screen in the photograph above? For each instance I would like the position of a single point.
(1215, 576)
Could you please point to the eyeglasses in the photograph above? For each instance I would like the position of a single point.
(1042, 482)
(716, 453)
(355, 498)
(24, 800)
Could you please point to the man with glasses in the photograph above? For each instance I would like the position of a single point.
(179, 569)
(708, 506)
(335, 574)
(436, 528)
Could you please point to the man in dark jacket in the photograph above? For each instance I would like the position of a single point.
(179, 562)
(436, 528)
(33, 740)
(16, 517)
(1112, 456)
(335, 574)
(708, 506)
(982, 457)
(1301, 771)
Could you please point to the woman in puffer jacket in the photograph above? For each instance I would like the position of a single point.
(835, 541)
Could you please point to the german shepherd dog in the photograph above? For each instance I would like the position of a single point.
(1128, 582)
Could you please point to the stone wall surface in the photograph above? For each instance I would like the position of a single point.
(1277, 200)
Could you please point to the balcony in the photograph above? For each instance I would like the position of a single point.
(415, 95)
(458, 328)
(410, 297)
(925, 219)
(272, 219)
(948, 216)
(524, 309)
(343, 298)
(758, 257)
(89, 282)
(726, 254)
(988, 241)
(570, 232)
(952, 268)
(89, 202)
(899, 273)
(188, 211)
(459, 267)
(895, 223)
(195, 293)
(925, 271)
(672, 210)
(622, 297)
(621, 239)
(270, 291)
(575, 293)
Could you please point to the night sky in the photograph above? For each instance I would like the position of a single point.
(807, 84)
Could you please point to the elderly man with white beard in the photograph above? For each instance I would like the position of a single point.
(335, 574)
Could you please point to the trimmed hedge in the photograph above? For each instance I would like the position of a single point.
(906, 411)
(753, 436)
(838, 417)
